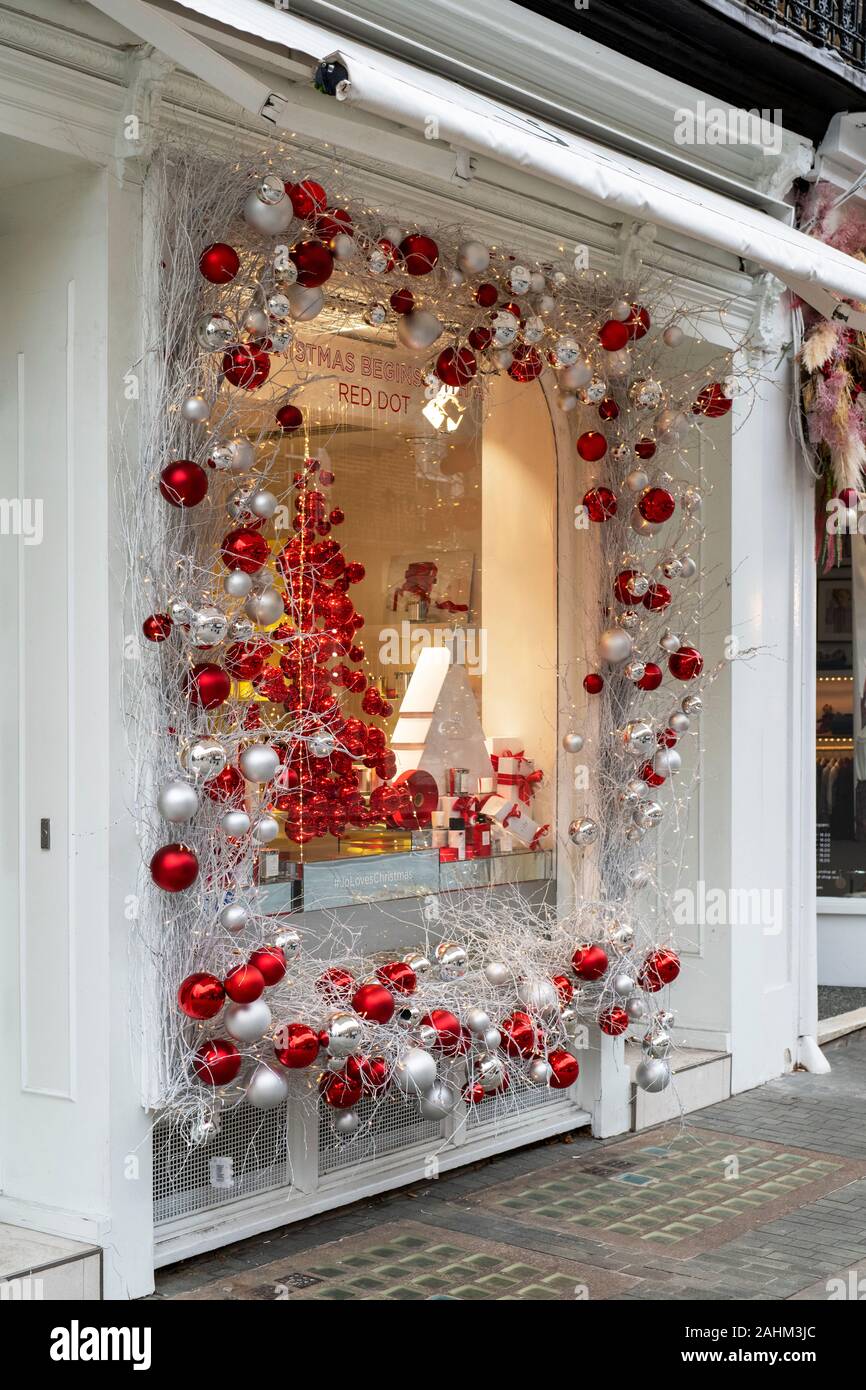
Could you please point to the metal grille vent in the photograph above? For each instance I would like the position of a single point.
(248, 1155)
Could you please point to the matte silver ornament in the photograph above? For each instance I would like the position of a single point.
(691, 501)
(634, 834)
(621, 310)
(419, 330)
(344, 246)
(269, 218)
(205, 759)
(648, 814)
(671, 426)
(496, 973)
(196, 410)
(207, 627)
(539, 1072)
(614, 645)
(637, 480)
(652, 1074)
(215, 332)
(567, 402)
(575, 377)
(670, 642)
(266, 829)
(639, 523)
(344, 1031)
(636, 1009)
(638, 737)
(415, 1073)
(438, 1102)
(639, 875)
(346, 1122)
(242, 454)
(692, 704)
(233, 917)
(259, 762)
(256, 322)
(234, 823)
(623, 986)
(688, 566)
(492, 1039)
(267, 1089)
(177, 802)
(673, 335)
(247, 1023)
(452, 960)
(477, 1021)
(237, 583)
(306, 302)
(666, 762)
(583, 832)
(262, 503)
(265, 607)
(538, 997)
(679, 721)
(572, 743)
(473, 257)
(638, 786)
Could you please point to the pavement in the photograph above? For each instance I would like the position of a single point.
(762, 1197)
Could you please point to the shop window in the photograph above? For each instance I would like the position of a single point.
(840, 724)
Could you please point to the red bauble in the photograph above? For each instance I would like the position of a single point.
(398, 975)
(308, 198)
(660, 968)
(613, 335)
(313, 262)
(565, 1069)
(651, 678)
(564, 988)
(217, 1062)
(371, 1073)
(244, 549)
(157, 627)
(527, 364)
(593, 684)
(183, 483)
(334, 222)
(420, 253)
(600, 503)
(209, 685)
(608, 409)
(645, 448)
(638, 322)
(270, 961)
(449, 1034)
(246, 366)
(650, 776)
(849, 497)
(219, 263)
(245, 661)
(656, 504)
(336, 983)
(402, 301)
(621, 587)
(480, 338)
(474, 1094)
(657, 598)
(520, 1037)
(389, 251)
(340, 1090)
(226, 786)
(589, 962)
(456, 366)
(244, 984)
(173, 868)
(296, 1046)
(712, 402)
(289, 418)
(374, 1003)
(592, 446)
(201, 996)
(613, 1021)
(686, 664)
(486, 295)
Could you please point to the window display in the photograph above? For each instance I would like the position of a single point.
(840, 722)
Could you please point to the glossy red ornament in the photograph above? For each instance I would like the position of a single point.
(613, 1021)
(712, 402)
(592, 446)
(308, 198)
(613, 335)
(402, 301)
(245, 661)
(638, 322)
(398, 975)
(244, 984)
(313, 262)
(686, 664)
(389, 251)
(608, 409)
(174, 868)
(270, 961)
(374, 1003)
(651, 678)
(370, 1072)
(645, 448)
(219, 263)
(226, 786)
(157, 627)
(660, 968)
(420, 253)
(621, 587)
(520, 1037)
(456, 367)
(217, 1062)
(340, 1090)
(474, 1094)
(209, 685)
(649, 775)
(486, 295)
(244, 549)
(600, 504)
(336, 984)
(565, 1069)
(449, 1034)
(564, 988)
(201, 996)
(289, 418)
(593, 684)
(334, 222)
(849, 497)
(183, 483)
(296, 1046)
(247, 366)
(657, 598)
(589, 962)
(480, 338)
(656, 504)
(526, 364)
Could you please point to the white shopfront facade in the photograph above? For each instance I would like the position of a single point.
(77, 1149)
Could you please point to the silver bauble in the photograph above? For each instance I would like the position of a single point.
(409, 1013)
(344, 246)
(236, 456)
(419, 330)
(637, 480)
(438, 1102)
(289, 942)
(688, 566)
(247, 1023)
(321, 745)
(520, 279)
(504, 327)
(538, 997)
(640, 524)
(205, 759)
(196, 409)
(489, 1072)
(259, 762)
(215, 332)
(415, 1073)
(265, 607)
(673, 335)
(269, 218)
(220, 457)
(306, 302)
(621, 936)
(277, 306)
(346, 1122)
(623, 985)
(539, 1072)
(473, 257)
(281, 338)
(614, 645)
(656, 1043)
(664, 1019)
(635, 834)
(636, 1009)
(672, 567)
(572, 743)
(241, 629)
(628, 798)
(492, 1039)
(670, 642)
(679, 721)
(177, 801)
(496, 973)
(666, 762)
(267, 1089)
(628, 620)
(452, 960)
(375, 314)
(638, 737)
(534, 329)
(285, 270)
(266, 829)
(180, 611)
(646, 395)
(237, 583)
(594, 392)
(639, 875)
(671, 426)
(417, 961)
(583, 832)
(233, 917)
(271, 190)
(575, 377)
(691, 501)
(504, 359)
(621, 310)
(234, 823)
(344, 1032)
(634, 671)
(207, 627)
(638, 786)
(692, 704)
(566, 350)
(567, 402)
(652, 1074)
(262, 504)
(477, 1021)
(648, 814)
(256, 322)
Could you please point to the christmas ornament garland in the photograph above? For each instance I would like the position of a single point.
(251, 702)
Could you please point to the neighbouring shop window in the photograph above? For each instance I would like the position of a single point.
(840, 726)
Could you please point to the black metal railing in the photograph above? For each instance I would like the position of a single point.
(836, 24)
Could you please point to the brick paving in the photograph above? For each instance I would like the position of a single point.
(775, 1178)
